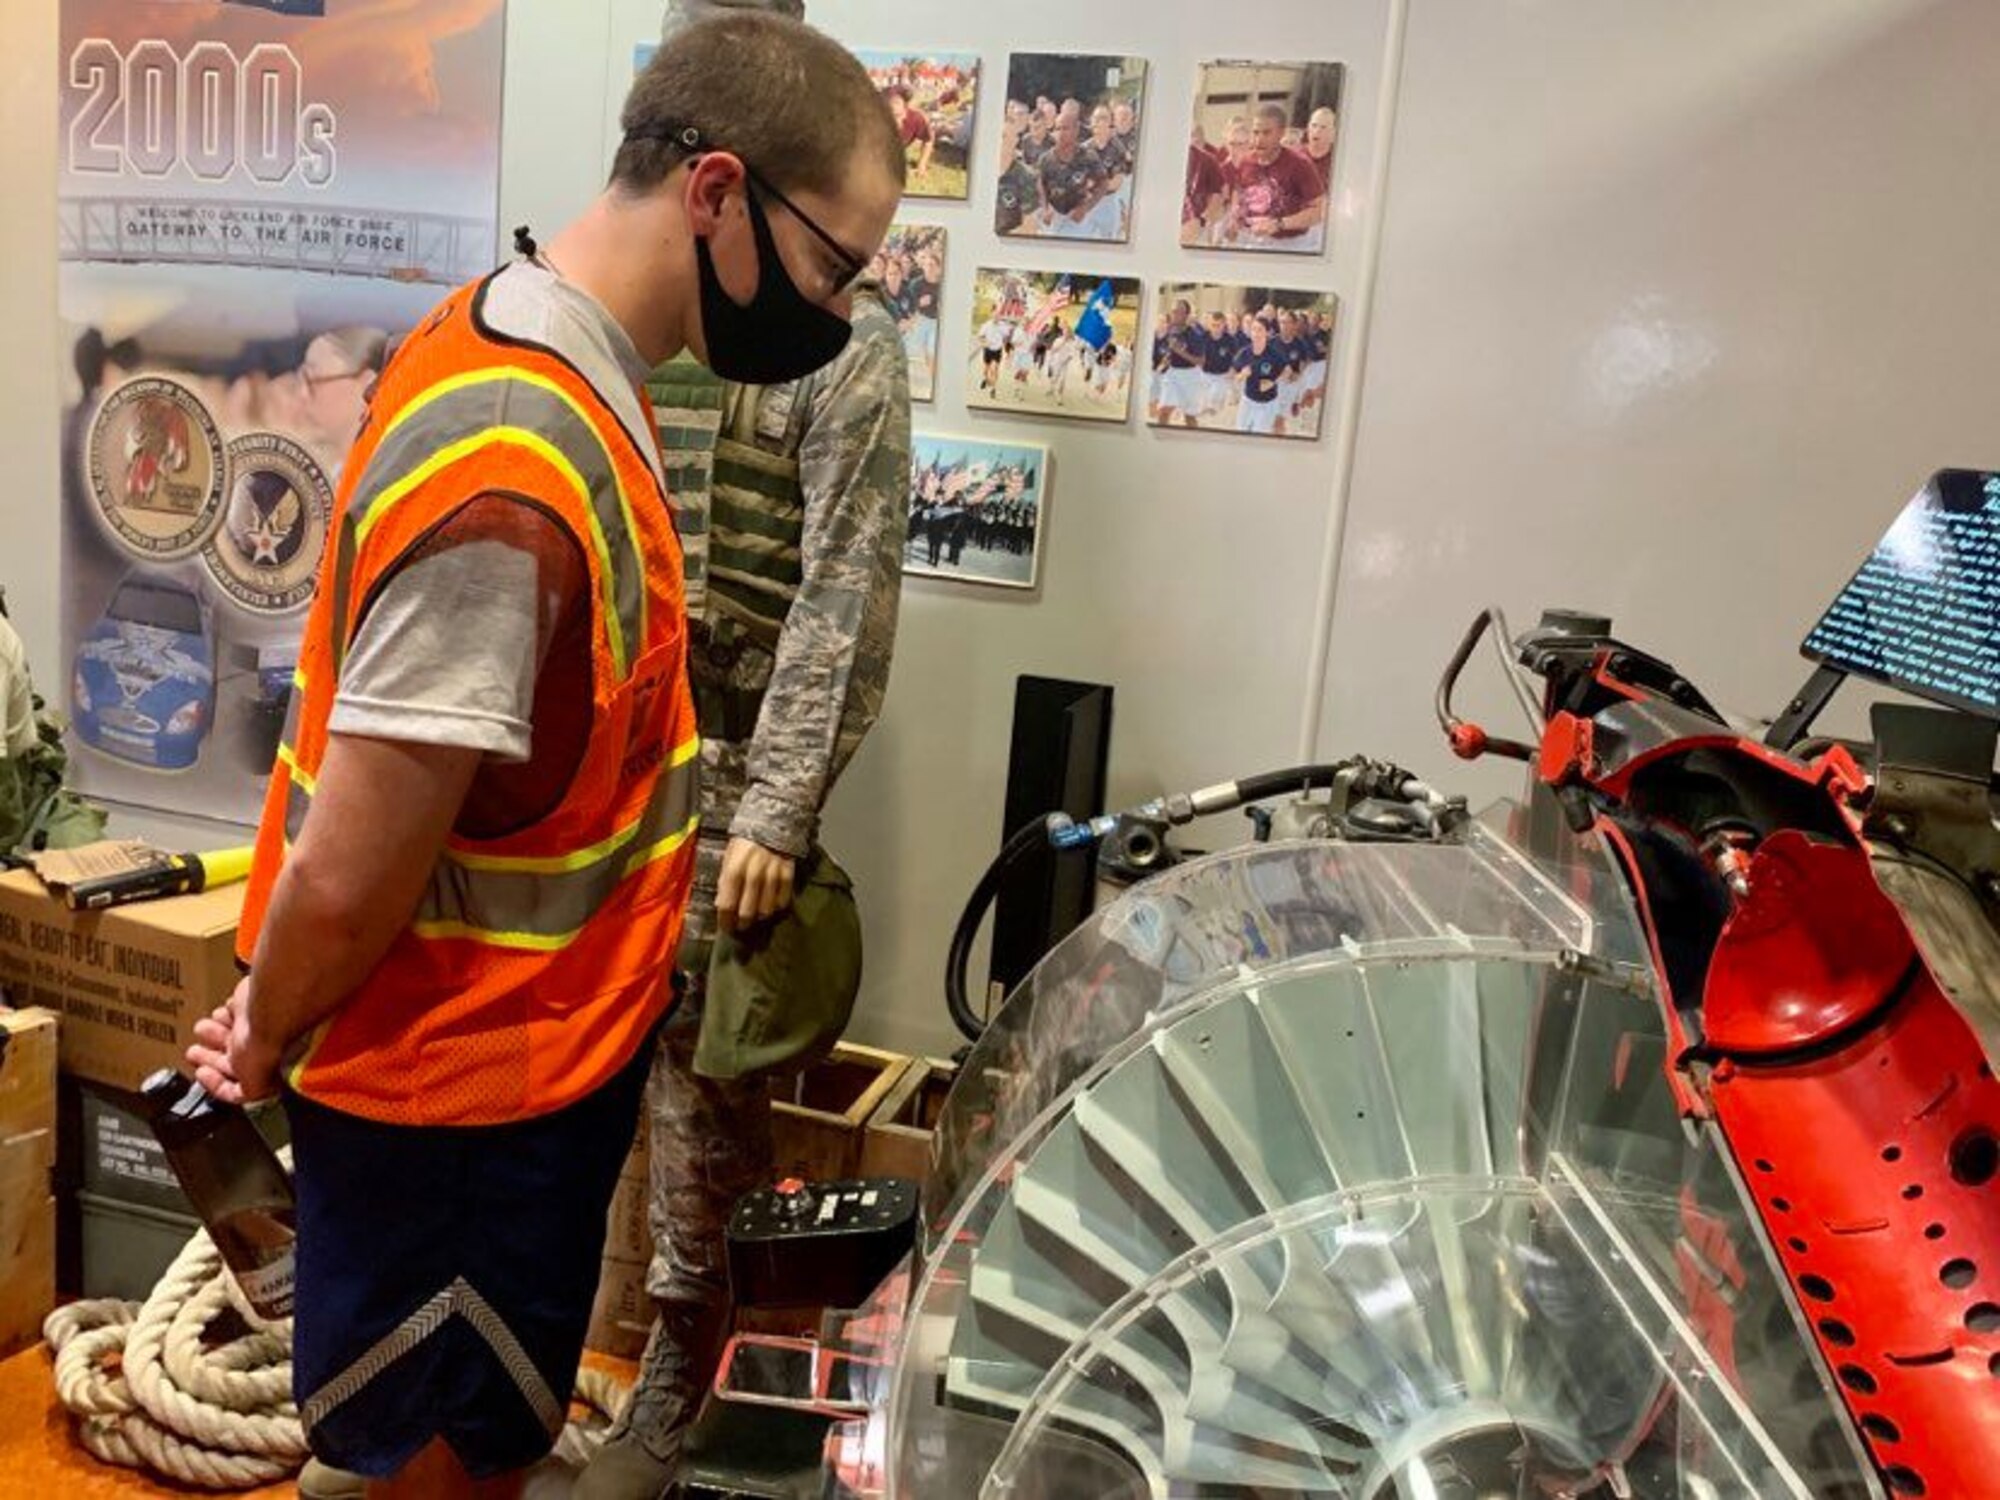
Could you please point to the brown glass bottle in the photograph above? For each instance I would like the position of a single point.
(236, 1183)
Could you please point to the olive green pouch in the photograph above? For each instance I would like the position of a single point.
(780, 994)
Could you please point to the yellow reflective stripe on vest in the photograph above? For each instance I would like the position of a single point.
(524, 904)
(563, 864)
(468, 413)
(299, 789)
(301, 777)
(536, 901)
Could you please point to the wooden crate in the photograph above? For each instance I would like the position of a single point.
(897, 1140)
(818, 1117)
(27, 1160)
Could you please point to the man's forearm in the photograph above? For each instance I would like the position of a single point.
(316, 949)
(380, 815)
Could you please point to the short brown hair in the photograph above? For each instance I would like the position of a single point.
(794, 104)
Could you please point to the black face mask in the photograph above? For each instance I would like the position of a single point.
(778, 336)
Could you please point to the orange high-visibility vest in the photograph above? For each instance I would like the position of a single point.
(537, 962)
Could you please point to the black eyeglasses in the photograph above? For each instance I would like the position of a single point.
(688, 139)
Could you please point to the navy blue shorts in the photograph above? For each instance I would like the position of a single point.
(446, 1275)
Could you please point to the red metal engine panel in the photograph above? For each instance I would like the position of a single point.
(1871, 1145)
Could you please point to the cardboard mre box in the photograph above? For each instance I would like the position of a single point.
(27, 1157)
(628, 1235)
(623, 1313)
(622, 1316)
(129, 982)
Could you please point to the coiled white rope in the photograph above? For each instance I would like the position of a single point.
(219, 1417)
(216, 1416)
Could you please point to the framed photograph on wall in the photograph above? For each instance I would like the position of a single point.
(1260, 157)
(1069, 146)
(910, 268)
(1240, 359)
(976, 510)
(1054, 343)
(934, 96)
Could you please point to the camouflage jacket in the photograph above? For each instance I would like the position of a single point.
(822, 688)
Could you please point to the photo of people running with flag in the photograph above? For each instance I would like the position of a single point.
(1240, 359)
(934, 97)
(976, 510)
(1053, 343)
(1069, 146)
(1260, 157)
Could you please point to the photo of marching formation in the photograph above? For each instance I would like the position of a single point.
(1260, 157)
(1069, 144)
(910, 270)
(1240, 359)
(1054, 344)
(976, 510)
(934, 97)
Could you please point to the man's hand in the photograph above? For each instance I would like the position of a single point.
(1266, 225)
(228, 1060)
(756, 884)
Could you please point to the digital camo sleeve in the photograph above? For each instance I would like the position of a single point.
(832, 664)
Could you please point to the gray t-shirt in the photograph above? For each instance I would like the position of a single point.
(452, 648)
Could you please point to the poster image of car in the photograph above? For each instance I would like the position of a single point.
(1260, 157)
(143, 684)
(1053, 343)
(935, 98)
(255, 203)
(910, 269)
(976, 510)
(1240, 359)
(1069, 146)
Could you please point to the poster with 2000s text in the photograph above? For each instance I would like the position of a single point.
(258, 198)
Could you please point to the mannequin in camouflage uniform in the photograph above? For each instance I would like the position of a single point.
(35, 810)
(791, 503)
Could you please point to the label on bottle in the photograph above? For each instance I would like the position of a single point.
(269, 1287)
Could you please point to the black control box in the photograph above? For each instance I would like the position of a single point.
(820, 1244)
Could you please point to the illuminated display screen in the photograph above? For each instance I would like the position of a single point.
(1923, 614)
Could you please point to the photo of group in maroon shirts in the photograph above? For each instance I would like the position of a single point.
(1069, 145)
(934, 97)
(1240, 359)
(1260, 157)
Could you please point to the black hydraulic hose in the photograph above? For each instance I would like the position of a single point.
(1024, 839)
(1057, 831)
(1296, 779)
(1469, 741)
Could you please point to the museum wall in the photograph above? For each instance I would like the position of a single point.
(1679, 304)
(1675, 301)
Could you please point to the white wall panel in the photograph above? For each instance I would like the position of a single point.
(1679, 302)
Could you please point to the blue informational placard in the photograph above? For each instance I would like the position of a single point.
(1923, 613)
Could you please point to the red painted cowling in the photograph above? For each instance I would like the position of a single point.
(1866, 1124)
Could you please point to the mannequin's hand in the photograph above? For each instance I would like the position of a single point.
(756, 884)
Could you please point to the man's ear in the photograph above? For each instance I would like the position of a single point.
(711, 181)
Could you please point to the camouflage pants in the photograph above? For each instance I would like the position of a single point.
(711, 1144)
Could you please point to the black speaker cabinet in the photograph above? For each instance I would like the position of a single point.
(1061, 748)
